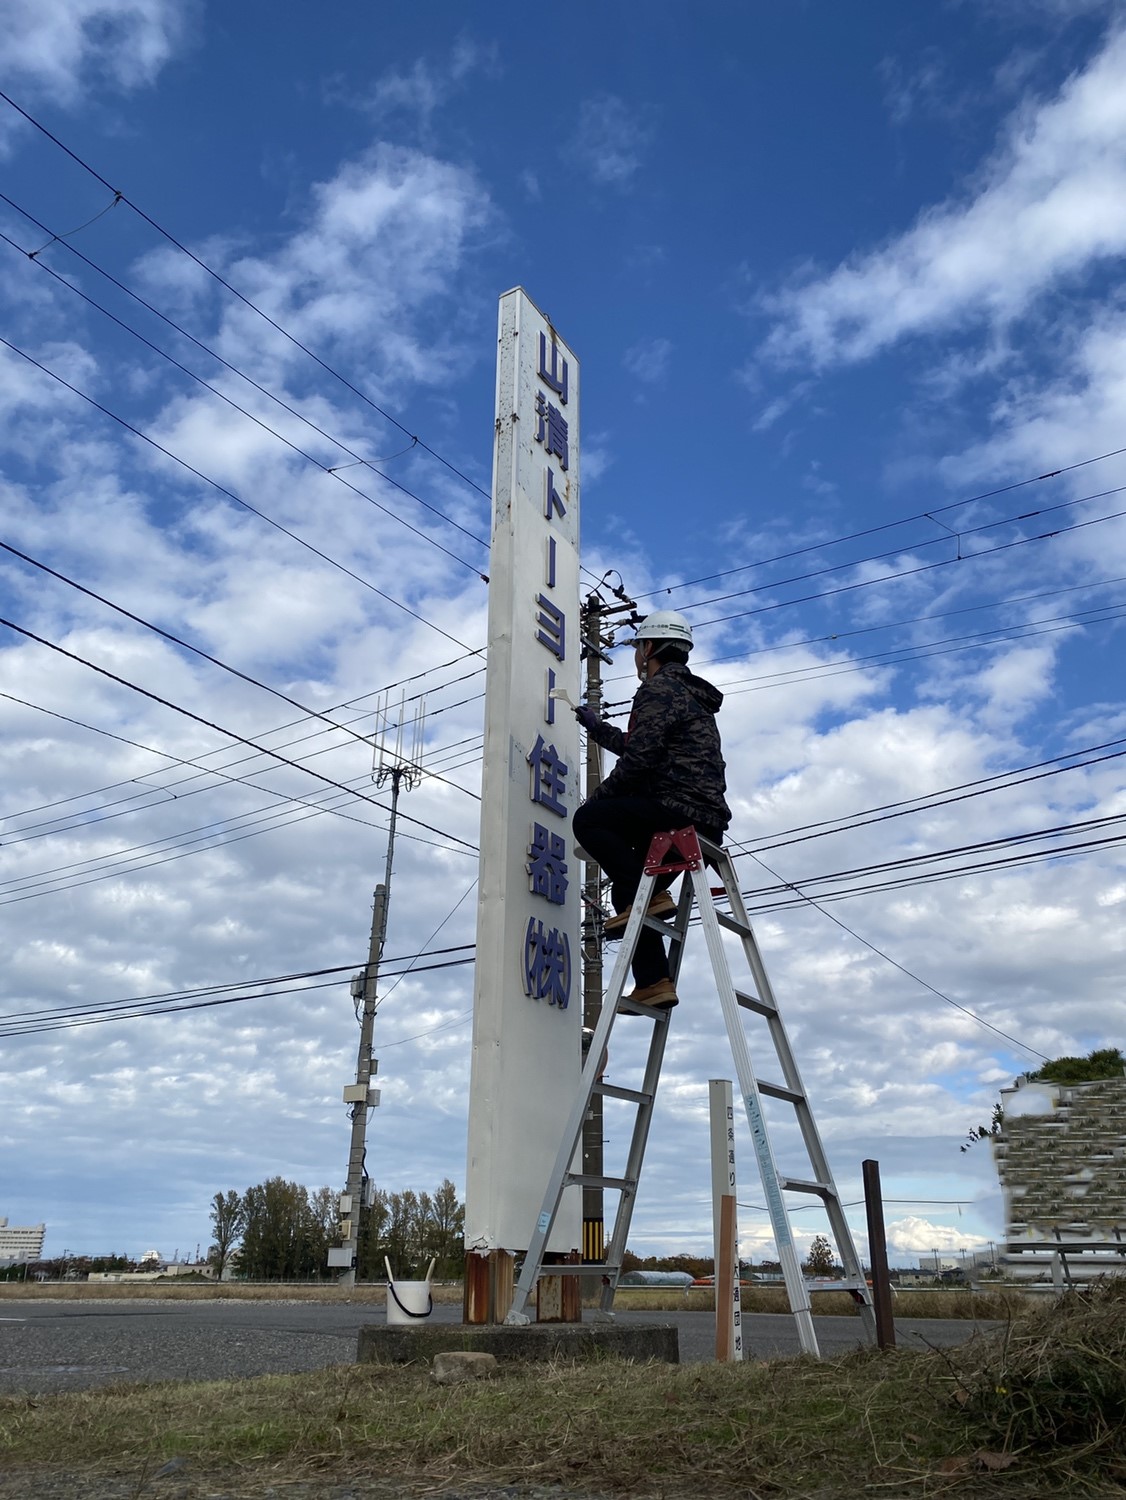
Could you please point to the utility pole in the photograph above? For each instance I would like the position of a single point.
(394, 767)
(595, 637)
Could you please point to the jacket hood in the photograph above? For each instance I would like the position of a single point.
(705, 693)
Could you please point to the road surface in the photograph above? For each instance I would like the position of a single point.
(77, 1345)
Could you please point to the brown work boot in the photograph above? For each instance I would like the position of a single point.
(661, 904)
(661, 996)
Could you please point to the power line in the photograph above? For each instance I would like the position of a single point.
(198, 990)
(964, 791)
(980, 867)
(919, 547)
(945, 614)
(38, 1028)
(853, 536)
(276, 729)
(230, 494)
(896, 656)
(330, 470)
(206, 655)
(121, 197)
(230, 733)
(945, 562)
(881, 953)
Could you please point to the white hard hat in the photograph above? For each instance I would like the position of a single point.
(665, 625)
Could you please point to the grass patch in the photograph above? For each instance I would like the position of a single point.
(1037, 1408)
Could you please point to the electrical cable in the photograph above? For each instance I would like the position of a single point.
(880, 952)
(945, 562)
(330, 470)
(176, 640)
(229, 733)
(121, 197)
(945, 614)
(101, 1020)
(913, 882)
(276, 729)
(230, 494)
(964, 791)
(194, 991)
(928, 515)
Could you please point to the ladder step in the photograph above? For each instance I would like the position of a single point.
(752, 1002)
(584, 1268)
(779, 1091)
(796, 1185)
(627, 1007)
(733, 924)
(593, 1179)
(616, 1091)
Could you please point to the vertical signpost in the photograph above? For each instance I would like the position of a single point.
(725, 1232)
(527, 1018)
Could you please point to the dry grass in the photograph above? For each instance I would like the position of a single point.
(936, 1304)
(1035, 1409)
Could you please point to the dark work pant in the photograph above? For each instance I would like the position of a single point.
(617, 832)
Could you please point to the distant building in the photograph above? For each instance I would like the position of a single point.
(21, 1244)
(1061, 1159)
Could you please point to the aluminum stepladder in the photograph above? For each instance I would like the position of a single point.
(672, 853)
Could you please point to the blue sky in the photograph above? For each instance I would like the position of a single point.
(842, 282)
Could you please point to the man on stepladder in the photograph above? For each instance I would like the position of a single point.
(670, 773)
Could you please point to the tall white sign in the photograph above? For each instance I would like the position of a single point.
(527, 1010)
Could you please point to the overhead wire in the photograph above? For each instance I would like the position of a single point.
(200, 652)
(122, 197)
(276, 729)
(825, 544)
(220, 729)
(332, 471)
(882, 953)
(230, 494)
(74, 1023)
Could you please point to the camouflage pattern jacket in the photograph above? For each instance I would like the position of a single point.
(671, 750)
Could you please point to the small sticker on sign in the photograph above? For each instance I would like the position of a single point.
(543, 1223)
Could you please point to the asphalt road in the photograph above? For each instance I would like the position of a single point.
(77, 1345)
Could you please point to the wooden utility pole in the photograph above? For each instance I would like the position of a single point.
(593, 1209)
(596, 636)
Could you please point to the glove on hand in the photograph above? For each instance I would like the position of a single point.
(587, 717)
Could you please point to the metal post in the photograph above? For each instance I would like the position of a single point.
(878, 1255)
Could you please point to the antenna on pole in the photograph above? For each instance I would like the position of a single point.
(396, 757)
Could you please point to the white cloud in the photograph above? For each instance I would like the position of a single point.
(648, 361)
(921, 1237)
(609, 141)
(1051, 205)
(59, 48)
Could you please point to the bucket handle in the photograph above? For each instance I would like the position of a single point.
(409, 1312)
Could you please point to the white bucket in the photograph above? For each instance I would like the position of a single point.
(408, 1301)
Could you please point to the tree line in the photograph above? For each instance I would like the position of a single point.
(281, 1231)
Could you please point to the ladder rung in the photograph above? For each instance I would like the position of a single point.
(591, 1179)
(733, 924)
(752, 1002)
(627, 1007)
(616, 1091)
(584, 1268)
(796, 1185)
(780, 1091)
